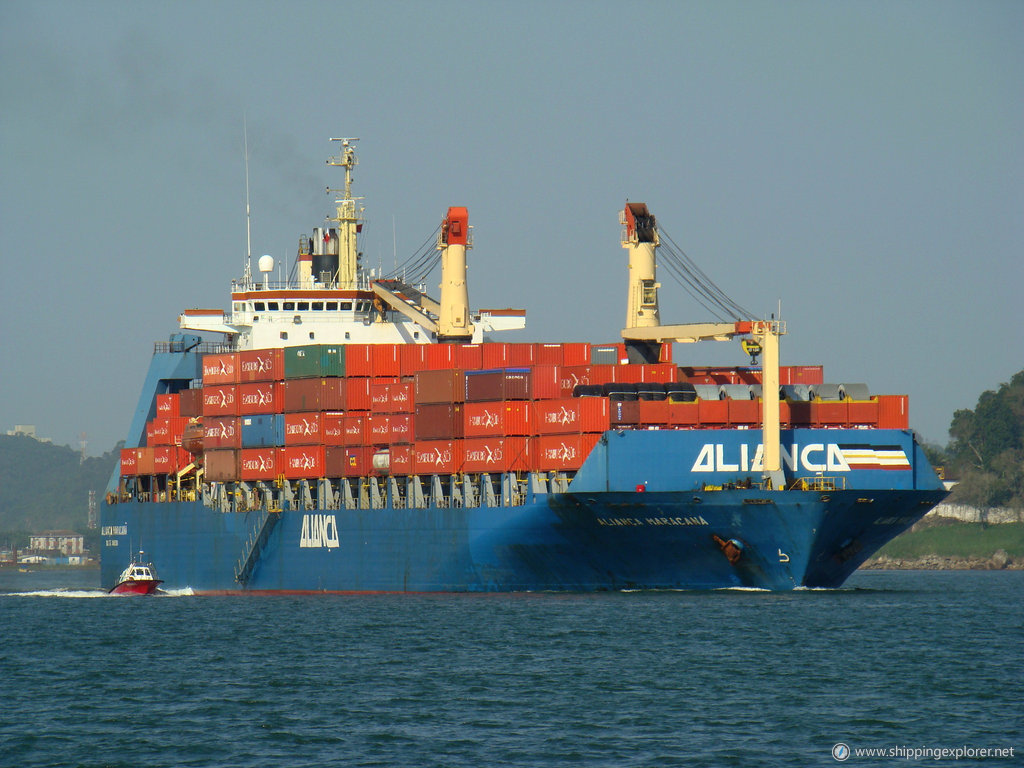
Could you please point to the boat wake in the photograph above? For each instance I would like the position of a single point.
(90, 593)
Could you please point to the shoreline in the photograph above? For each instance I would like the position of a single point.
(999, 561)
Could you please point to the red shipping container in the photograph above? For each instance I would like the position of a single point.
(805, 374)
(437, 457)
(260, 397)
(220, 369)
(663, 373)
(258, 464)
(190, 402)
(510, 417)
(401, 397)
(401, 427)
(522, 355)
(168, 406)
(357, 395)
(893, 412)
(554, 453)
(355, 430)
(129, 462)
(571, 415)
(348, 461)
(438, 357)
(332, 427)
(469, 357)
(624, 413)
(439, 386)
(302, 461)
(307, 395)
(744, 412)
(548, 354)
(221, 466)
(158, 432)
(220, 401)
(506, 384)
(400, 459)
(799, 412)
(385, 360)
(260, 365)
(358, 360)
(826, 413)
(713, 412)
(496, 454)
(378, 427)
(302, 429)
(863, 413)
(410, 358)
(495, 355)
(650, 413)
(546, 383)
(439, 421)
(682, 414)
(168, 459)
(588, 375)
(379, 396)
(222, 432)
(575, 354)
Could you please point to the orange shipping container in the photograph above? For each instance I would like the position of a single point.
(221, 465)
(258, 463)
(893, 412)
(220, 400)
(168, 406)
(570, 415)
(220, 369)
(302, 461)
(551, 453)
(129, 462)
(496, 454)
(259, 397)
(222, 432)
(261, 365)
(511, 418)
(437, 457)
(302, 429)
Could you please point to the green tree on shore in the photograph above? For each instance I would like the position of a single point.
(986, 453)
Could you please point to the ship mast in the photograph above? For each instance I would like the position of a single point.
(348, 219)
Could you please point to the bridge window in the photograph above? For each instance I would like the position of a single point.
(272, 306)
(284, 335)
(260, 307)
(289, 306)
(346, 305)
(318, 306)
(303, 306)
(332, 306)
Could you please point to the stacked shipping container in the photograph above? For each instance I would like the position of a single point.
(326, 410)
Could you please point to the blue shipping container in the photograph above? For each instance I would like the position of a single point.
(263, 431)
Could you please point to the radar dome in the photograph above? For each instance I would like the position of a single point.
(266, 263)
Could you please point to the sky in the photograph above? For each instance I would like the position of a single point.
(860, 165)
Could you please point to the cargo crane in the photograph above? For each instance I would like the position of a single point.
(644, 332)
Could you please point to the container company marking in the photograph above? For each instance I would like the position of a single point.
(318, 532)
(344, 410)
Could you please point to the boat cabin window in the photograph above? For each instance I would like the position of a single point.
(346, 305)
(318, 306)
(303, 306)
(260, 307)
(239, 306)
(284, 335)
(272, 306)
(332, 306)
(289, 306)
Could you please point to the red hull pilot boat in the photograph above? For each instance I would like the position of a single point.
(139, 578)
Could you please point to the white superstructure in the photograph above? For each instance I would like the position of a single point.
(334, 301)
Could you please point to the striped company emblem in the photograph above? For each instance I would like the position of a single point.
(875, 456)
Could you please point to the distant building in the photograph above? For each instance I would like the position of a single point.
(27, 430)
(65, 542)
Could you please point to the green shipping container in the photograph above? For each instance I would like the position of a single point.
(332, 360)
(302, 362)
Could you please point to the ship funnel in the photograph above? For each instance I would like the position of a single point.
(640, 238)
(453, 323)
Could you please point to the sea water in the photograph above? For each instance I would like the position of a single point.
(893, 661)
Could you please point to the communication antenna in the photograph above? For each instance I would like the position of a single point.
(247, 276)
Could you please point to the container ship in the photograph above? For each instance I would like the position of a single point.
(349, 433)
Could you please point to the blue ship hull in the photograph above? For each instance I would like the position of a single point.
(648, 510)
